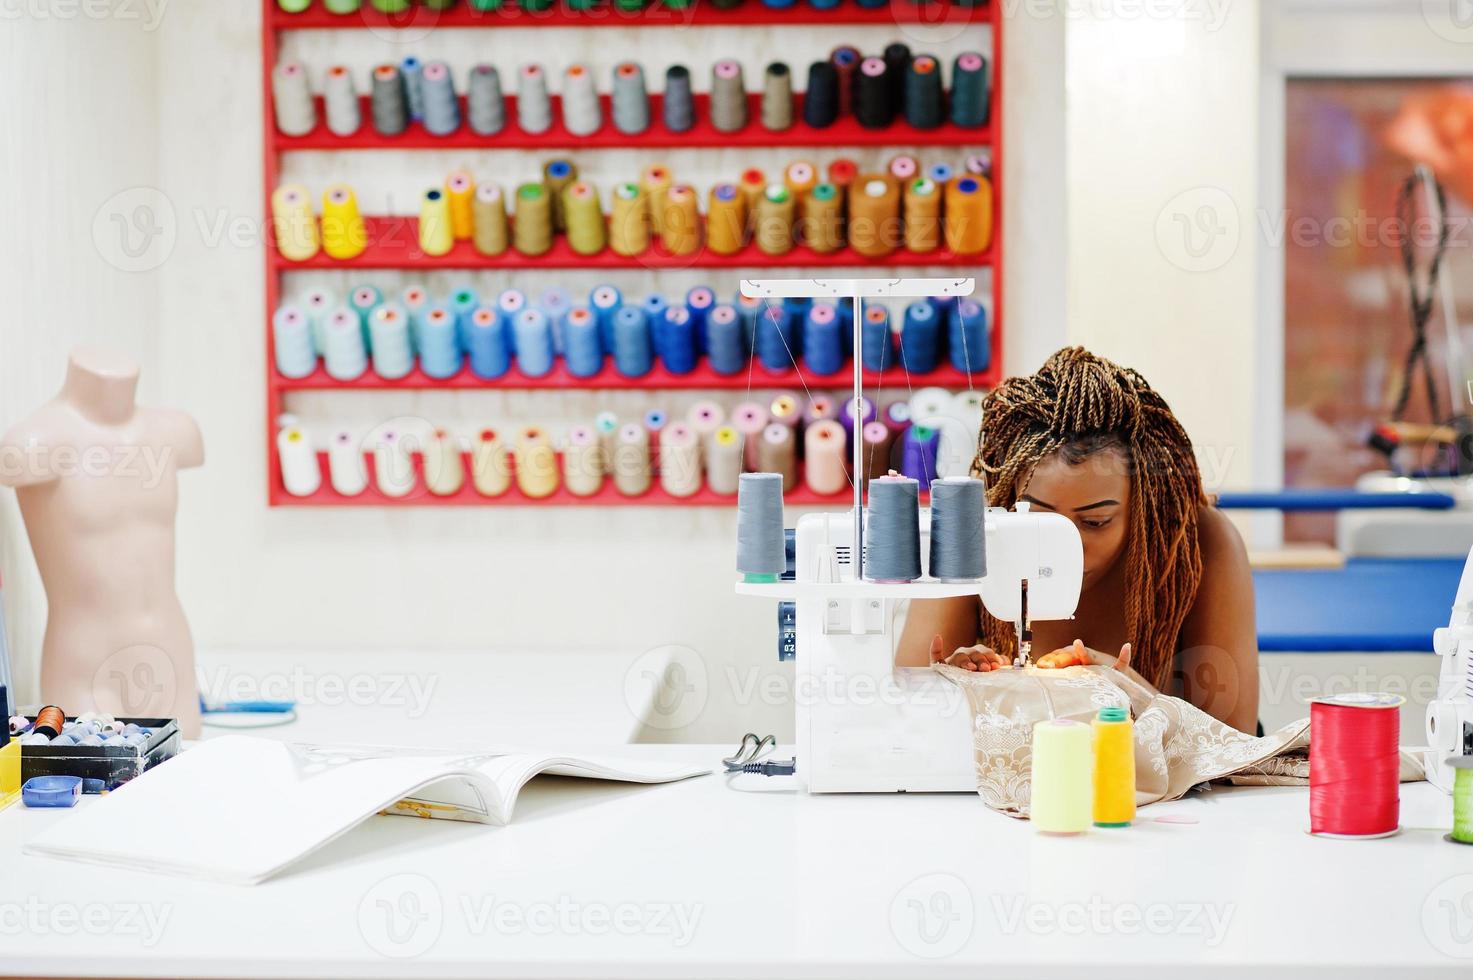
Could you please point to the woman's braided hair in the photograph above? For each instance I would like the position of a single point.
(1080, 404)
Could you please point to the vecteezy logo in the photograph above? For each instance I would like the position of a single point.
(1451, 20)
(666, 687)
(932, 917)
(1447, 917)
(1198, 229)
(401, 916)
(137, 681)
(135, 230)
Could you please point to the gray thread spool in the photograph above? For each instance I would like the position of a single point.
(390, 111)
(340, 100)
(631, 99)
(893, 548)
(777, 97)
(761, 553)
(413, 71)
(534, 105)
(728, 96)
(958, 537)
(485, 104)
(441, 109)
(582, 113)
(680, 112)
(296, 114)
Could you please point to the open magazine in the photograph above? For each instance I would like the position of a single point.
(239, 809)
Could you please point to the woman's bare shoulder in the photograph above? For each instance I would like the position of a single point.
(1219, 539)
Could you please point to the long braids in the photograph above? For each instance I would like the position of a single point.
(1080, 403)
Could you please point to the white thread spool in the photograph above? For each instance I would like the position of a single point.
(340, 102)
(345, 466)
(393, 467)
(957, 446)
(490, 465)
(296, 114)
(724, 460)
(534, 107)
(632, 460)
(680, 461)
(583, 472)
(444, 469)
(300, 473)
(582, 113)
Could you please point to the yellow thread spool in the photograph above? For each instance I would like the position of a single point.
(343, 234)
(537, 474)
(874, 216)
(558, 175)
(461, 190)
(752, 186)
(1114, 767)
(823, 220)
(489, 215)
(655, 181)
(490, 466)
(444, 469)
(680, 231)
(1060, 798)
(726, 219)
(435, 236)
(587, 232)
(294, 223)
(969, 215)
(629, 229)
(922, 215)
(531, 232)
(800, 177)
(775, 212)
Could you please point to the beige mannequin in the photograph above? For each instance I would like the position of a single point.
(96, 477)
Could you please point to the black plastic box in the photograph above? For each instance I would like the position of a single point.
(113, 764)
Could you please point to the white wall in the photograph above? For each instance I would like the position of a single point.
(69, 143)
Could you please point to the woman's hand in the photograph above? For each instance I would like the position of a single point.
(978, 658)
(1078, 654)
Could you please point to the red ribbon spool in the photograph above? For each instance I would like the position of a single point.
(1354, 765)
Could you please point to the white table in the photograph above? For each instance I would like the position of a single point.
(702, 879)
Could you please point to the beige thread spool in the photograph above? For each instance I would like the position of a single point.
(726, 220)
(532, 230)
(680, 461)
(655, 182)
(587, 231)
(490, 465)
(488, 211)
(537, 470)
(629, 226)
(557, 176)
(680, 232)
(606, 427)
(922, 215)
(775, 214)
(778, 453)
(632, 460)
(874, 216)
(823, 457)
(444, 469)
(583, 472)
(393, 467)
(724, 460)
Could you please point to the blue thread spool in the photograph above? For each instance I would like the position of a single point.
(291, 336)
(699, 301)
(893, 546)
(486, 340)
(441, 108)
(318, 304)
(779, 4)
(725, 348)
(967, 339)
(920, 338)
(534, 343)
(823, 4)
(556, 302)
(797, 307)
(463, 303)
(606, 301)
(511, 302)
(958, 539)
(393, 352)
(584, 353)
(654, 307)
(940, 174)
(749, 309)
(822, 347)
(416, 301)
(633, 356)
(439, 351)
(363, 301)
(845, 306)
(775, 342)
(655, 420)
(675, 341)
(918, 453)
(878, 338)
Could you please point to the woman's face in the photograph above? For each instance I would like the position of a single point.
(1093, 493)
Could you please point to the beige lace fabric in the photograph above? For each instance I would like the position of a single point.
(1177, 745)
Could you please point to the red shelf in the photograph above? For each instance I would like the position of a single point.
(845, 131)
(702, 14)
(702, 378)
(393, 243)
(608, 495)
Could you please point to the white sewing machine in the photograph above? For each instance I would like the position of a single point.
(863, 724)
(1450, 715)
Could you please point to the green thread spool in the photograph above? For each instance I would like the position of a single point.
(535, 6)
(630, 6)
(341, 6)
(438, 4)
(293, 6)
(390, 6)
(1462, 832)
(580, 6)
(485, 6)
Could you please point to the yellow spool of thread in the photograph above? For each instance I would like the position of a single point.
(1061, 796)
(726, 219)
(490, 465)
(922, 215)
(343, 234)
(656, 181)
(444, 469)
(629, 222)
(587, 232)
(1114, 768)
(435, 237)
(752, 186)
(489, 215)
(537, 474)
(775, 213)
(874, 216)
(460, 188)
(969, 215)
(800, 177)
(294, 223)
(558, 175)
(680, 231)
(823, 219)
(531, 232)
